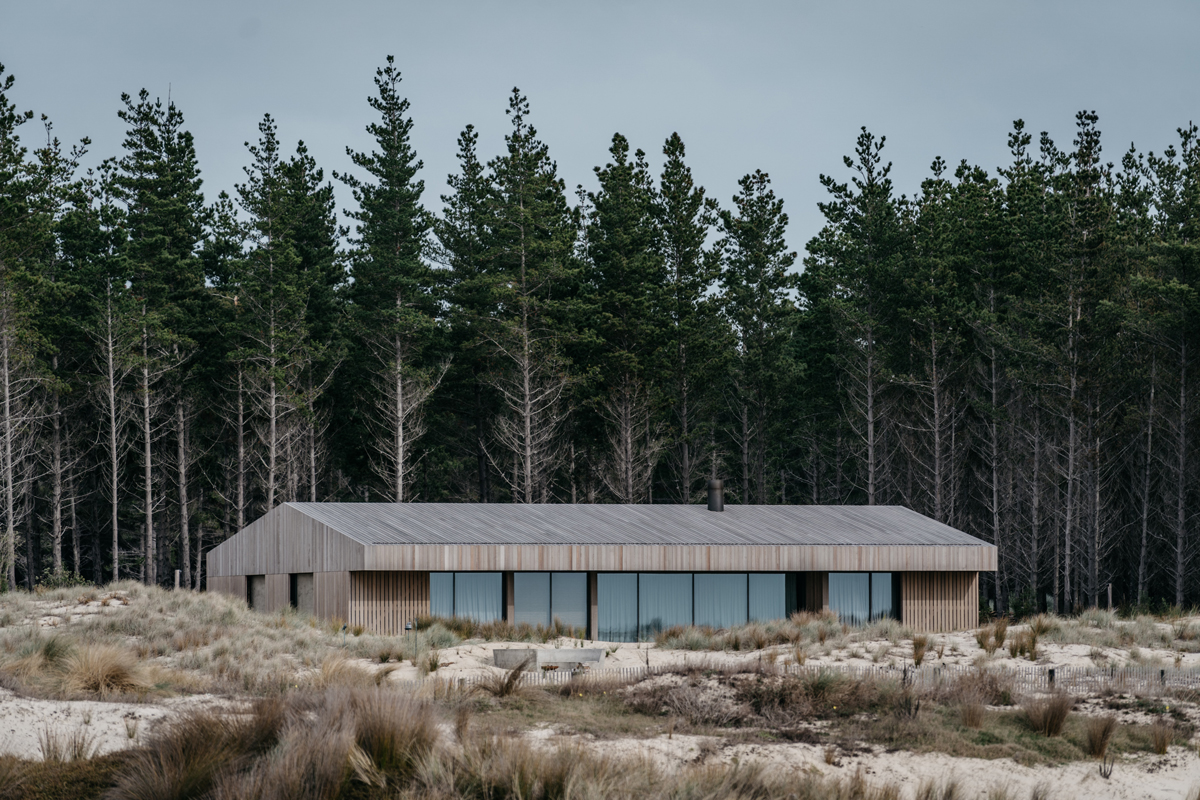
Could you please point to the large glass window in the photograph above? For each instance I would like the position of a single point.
(858, 597)
(479, 596)
(568, 598)
(721, 599)
(664, 600)
(881, 596)
(531, 598)
(441, 594)
(850, 596)
(768, 596)
(617, 606)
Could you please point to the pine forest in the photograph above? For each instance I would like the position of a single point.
(1008, 351)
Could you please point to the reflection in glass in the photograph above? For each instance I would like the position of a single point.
(531, 598)
(881, 596)
(441, 594)
(616, 600)
(850, 596)
(664, 600)
(479, 596)
(721, 599)
(568, 598)
(768, 596)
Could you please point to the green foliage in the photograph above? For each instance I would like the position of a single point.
(62, 580)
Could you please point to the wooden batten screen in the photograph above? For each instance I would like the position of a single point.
(384, 601)
(940, 601)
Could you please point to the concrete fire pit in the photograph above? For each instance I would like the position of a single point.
(565, 658)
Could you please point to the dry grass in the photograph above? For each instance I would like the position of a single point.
(1048, 714)
(971, 709)
(1162, 734)
(920, 643)
(1100, 731)
(507, 683)
(104, 670)
(375, 744)
(78, 745)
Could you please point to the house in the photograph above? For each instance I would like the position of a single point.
(620, 572)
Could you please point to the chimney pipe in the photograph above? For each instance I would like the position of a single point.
(716, 495)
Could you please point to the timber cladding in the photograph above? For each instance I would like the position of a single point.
(282, 542)
(939, 601)
(680, 558)
(384, 602)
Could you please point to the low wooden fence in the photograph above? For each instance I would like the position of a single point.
(1025, 680)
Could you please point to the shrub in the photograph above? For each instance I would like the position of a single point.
(920, 642)
(183, 759)
(395, 731)
(999, 632)
(1043, 624)
(79, 745)
(103, 670)
(1162, 733)
(1048, 714)
(503, 684)
(1100, 731)
(65, 579)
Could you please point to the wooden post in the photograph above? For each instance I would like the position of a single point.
(1110, 596)
(177, 580)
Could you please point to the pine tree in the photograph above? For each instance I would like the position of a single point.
(24, 231)
(393, 295)
(530, 271)
(626, 277)
(158, 180)
(694, 336)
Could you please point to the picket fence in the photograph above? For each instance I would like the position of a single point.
(1075, 680)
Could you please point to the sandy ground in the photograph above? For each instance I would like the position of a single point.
(107, 726)
(114, 725)
(1170, 776)
(958, 649)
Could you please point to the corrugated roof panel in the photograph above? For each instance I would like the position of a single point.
(519, 524)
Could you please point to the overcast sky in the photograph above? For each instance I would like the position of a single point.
(777, 86)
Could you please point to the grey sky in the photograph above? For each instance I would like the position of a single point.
(778, 86)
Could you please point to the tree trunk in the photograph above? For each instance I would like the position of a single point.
(1145, 490)
(185, 537)
(147, 465)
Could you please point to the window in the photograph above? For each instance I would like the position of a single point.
(850, 596)
(664, 600)
(882, 596)
(479, 596)
(859, 597)
(568, 599)
(441, 594)
(617, 606)
(721, 599)
(768, 596)
(300, 589)
(475, 595)
(531, 598)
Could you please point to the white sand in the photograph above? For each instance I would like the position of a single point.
(109, 726)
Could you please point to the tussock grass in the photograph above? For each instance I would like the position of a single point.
(64, 748)
(802, 628)
(1162, 734)
(104, 670)
(179, 642)
(1048, 714)
(508, 683)
(1100, 731)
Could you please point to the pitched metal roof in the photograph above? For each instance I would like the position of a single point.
(519, 524)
